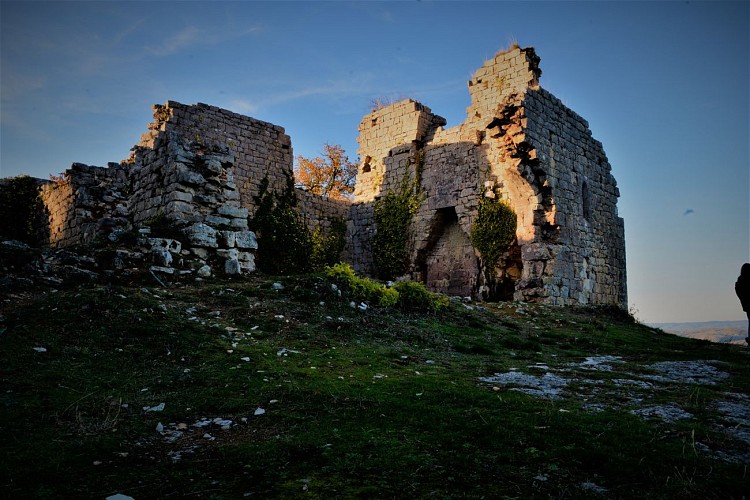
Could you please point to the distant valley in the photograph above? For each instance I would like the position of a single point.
(728, 332)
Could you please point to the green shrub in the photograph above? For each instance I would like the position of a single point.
(408, 295)
(326, 249)
(414, 296)
(494, 230)
(393, 215)
(284, 242)
(362, 288)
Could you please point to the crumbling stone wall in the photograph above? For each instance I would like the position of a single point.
(195, 172)
(86, 202)
(200, 168)
(207, 156)
(517, 143)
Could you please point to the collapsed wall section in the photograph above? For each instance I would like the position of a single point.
(86, 202)
(387, 139)
(188, 189)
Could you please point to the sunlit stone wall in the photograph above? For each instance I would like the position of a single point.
(517, 143)
(84, 203)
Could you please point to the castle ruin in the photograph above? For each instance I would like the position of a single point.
(201, 167)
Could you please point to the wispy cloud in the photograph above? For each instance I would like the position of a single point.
(185, 38)
(243, 106)
(191, 36)
(17, 84)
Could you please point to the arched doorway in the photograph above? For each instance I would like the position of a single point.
(449, 264)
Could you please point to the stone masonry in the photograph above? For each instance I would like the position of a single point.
(85, 202)
(198, 169)
(196, 172)
(517, 143)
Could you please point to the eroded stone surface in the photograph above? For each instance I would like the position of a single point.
(591, 382)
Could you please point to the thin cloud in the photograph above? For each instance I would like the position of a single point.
(17, 84)
(243, 106)
(185, 38)
(191, 36)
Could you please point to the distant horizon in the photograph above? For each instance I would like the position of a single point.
(718, 321)
(663, 86)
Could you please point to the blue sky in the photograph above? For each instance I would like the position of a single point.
(664, 86)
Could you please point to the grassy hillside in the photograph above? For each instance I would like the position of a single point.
(232, 389)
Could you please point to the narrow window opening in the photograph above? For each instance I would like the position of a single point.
(586, 200)
(366, 165)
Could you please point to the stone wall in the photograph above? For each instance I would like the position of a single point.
(199, 170)
(188, 187)
(518, 143)
(319, 212)
(86, 202)
(185, 142)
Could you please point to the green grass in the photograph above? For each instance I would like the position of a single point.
(378, 403)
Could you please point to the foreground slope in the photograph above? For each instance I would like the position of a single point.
(226, 389)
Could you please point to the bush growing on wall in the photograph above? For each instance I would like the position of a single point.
(494, 229)
(284, 242)
(393, 215)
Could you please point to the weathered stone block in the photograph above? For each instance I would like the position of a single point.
(215, 220)
(202, 235)
(231, 211)
(189, 177)
(232, 267)
(228, 253)
(246, 240)
(238, 223)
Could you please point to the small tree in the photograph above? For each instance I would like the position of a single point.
(494, 230)
(284, 244)
(333, 175)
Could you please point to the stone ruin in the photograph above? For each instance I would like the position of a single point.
(200, 168)
(518, 143)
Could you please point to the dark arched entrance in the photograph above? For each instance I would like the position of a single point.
(448, 264)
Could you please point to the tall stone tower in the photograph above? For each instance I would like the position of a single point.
(518, 143)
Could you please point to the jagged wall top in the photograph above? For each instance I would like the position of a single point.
(511, 70)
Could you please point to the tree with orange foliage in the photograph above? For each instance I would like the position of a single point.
(333, 175)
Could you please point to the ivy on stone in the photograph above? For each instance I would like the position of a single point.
(284, 242)
(393, 215)
(494, 229)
